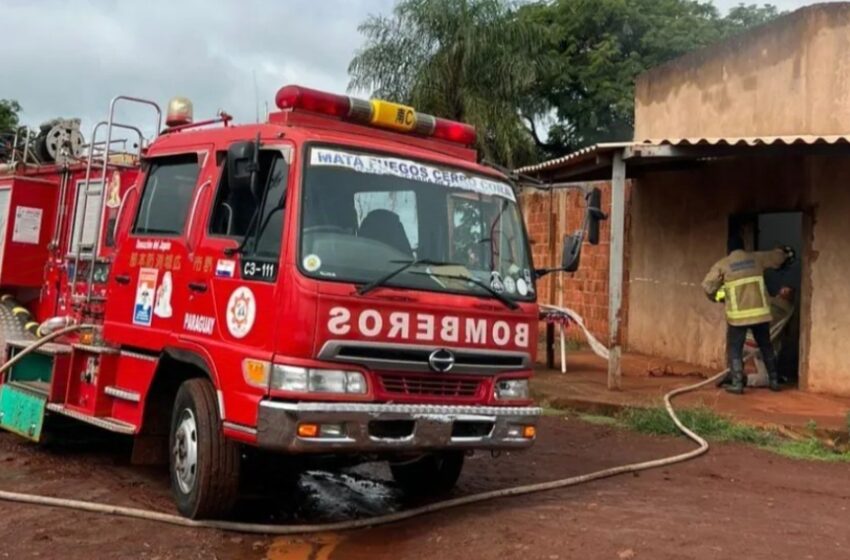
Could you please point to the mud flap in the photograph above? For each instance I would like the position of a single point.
(21, 412)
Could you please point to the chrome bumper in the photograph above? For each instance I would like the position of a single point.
(432, 426)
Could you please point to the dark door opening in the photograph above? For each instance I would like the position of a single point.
(766, 231)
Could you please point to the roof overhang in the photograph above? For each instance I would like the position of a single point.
(594, 162)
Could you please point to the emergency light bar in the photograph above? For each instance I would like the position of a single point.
(375, 112)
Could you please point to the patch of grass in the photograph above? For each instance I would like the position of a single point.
(599, 419)
(553, 411)
(703, 421)
(810, 449)
(714, 427)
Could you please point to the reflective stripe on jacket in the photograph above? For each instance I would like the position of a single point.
(741, 275)
(746, 298)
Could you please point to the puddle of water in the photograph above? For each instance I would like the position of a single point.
(324, 496)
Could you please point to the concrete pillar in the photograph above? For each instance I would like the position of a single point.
(615, 278)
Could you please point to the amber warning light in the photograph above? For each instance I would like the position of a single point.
(375, 112)
(179, 112)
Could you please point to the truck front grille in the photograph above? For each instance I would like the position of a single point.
(430, 385)
(390, 357)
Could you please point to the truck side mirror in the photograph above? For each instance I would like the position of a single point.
(572, 252)
(240, 161)
(594, 216)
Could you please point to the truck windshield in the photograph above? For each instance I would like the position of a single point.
(365, 215)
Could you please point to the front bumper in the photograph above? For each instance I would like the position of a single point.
(413, 427)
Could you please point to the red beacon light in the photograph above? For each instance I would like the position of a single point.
(375, 112)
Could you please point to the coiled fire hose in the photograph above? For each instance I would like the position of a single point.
(258, 528)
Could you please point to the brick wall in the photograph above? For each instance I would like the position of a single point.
(586, 290)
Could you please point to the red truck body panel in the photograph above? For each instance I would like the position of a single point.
(186, 295)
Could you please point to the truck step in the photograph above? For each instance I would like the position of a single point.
(50, 349)
(110, 424)
(41, 388)
(94, 349)
(123, 394)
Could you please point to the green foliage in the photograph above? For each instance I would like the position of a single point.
(9, 123)
(506, 67)
(597, 48)
(712, 426)
(809, 449)
(743, 16)
(9, 110)
(703, 421)
(468, 60)
(598, 419)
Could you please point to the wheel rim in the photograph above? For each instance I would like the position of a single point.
(185, 452)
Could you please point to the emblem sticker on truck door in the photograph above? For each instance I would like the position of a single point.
(145, 292)
(241, 312)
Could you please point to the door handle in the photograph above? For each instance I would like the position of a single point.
(122, 278)
(198, 286)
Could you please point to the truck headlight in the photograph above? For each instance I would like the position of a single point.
(310, 380)
(512, 389)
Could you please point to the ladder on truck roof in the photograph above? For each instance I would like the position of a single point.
(103, 157)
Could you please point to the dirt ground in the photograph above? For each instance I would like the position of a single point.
(736, 502)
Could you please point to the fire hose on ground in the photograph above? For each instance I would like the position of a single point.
(257, 528)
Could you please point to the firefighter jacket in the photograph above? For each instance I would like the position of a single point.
(741, 276)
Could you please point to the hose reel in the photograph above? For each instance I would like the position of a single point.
(59, 141)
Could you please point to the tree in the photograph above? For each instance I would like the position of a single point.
(469, 60)
(597, 48)
(9, 123)
(9, 110)
(742, 17)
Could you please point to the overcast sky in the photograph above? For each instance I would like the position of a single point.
(70, 57)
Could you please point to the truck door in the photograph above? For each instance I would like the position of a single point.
(231, 310)
(148, 284)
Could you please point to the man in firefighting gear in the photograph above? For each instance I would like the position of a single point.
(738, 280)
(781, 311)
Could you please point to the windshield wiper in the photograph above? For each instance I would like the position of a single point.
(366, 288)
(508, 302)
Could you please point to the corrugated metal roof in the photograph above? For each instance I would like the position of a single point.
(596, 150)
(807, 140)
(580, 155)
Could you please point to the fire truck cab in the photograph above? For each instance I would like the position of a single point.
(343, 279)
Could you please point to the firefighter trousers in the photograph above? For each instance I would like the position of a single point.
(737, 336)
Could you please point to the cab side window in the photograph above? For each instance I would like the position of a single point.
(235, 213)
(167, 194)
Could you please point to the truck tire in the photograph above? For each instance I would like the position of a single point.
(435, 473)
(203, 464)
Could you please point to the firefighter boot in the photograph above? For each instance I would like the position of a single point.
(773, 381)
(737, 385)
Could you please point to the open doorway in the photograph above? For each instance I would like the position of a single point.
(766, 231)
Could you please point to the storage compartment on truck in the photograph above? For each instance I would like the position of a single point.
(27, 211)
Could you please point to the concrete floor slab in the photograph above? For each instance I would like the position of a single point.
(647, 379)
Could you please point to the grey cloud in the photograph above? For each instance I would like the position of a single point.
(71, 57)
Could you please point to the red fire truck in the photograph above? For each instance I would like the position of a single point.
(342, 280)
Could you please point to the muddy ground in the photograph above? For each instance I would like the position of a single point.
(736, 502)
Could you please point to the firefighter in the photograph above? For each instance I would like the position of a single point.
(738, 280)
